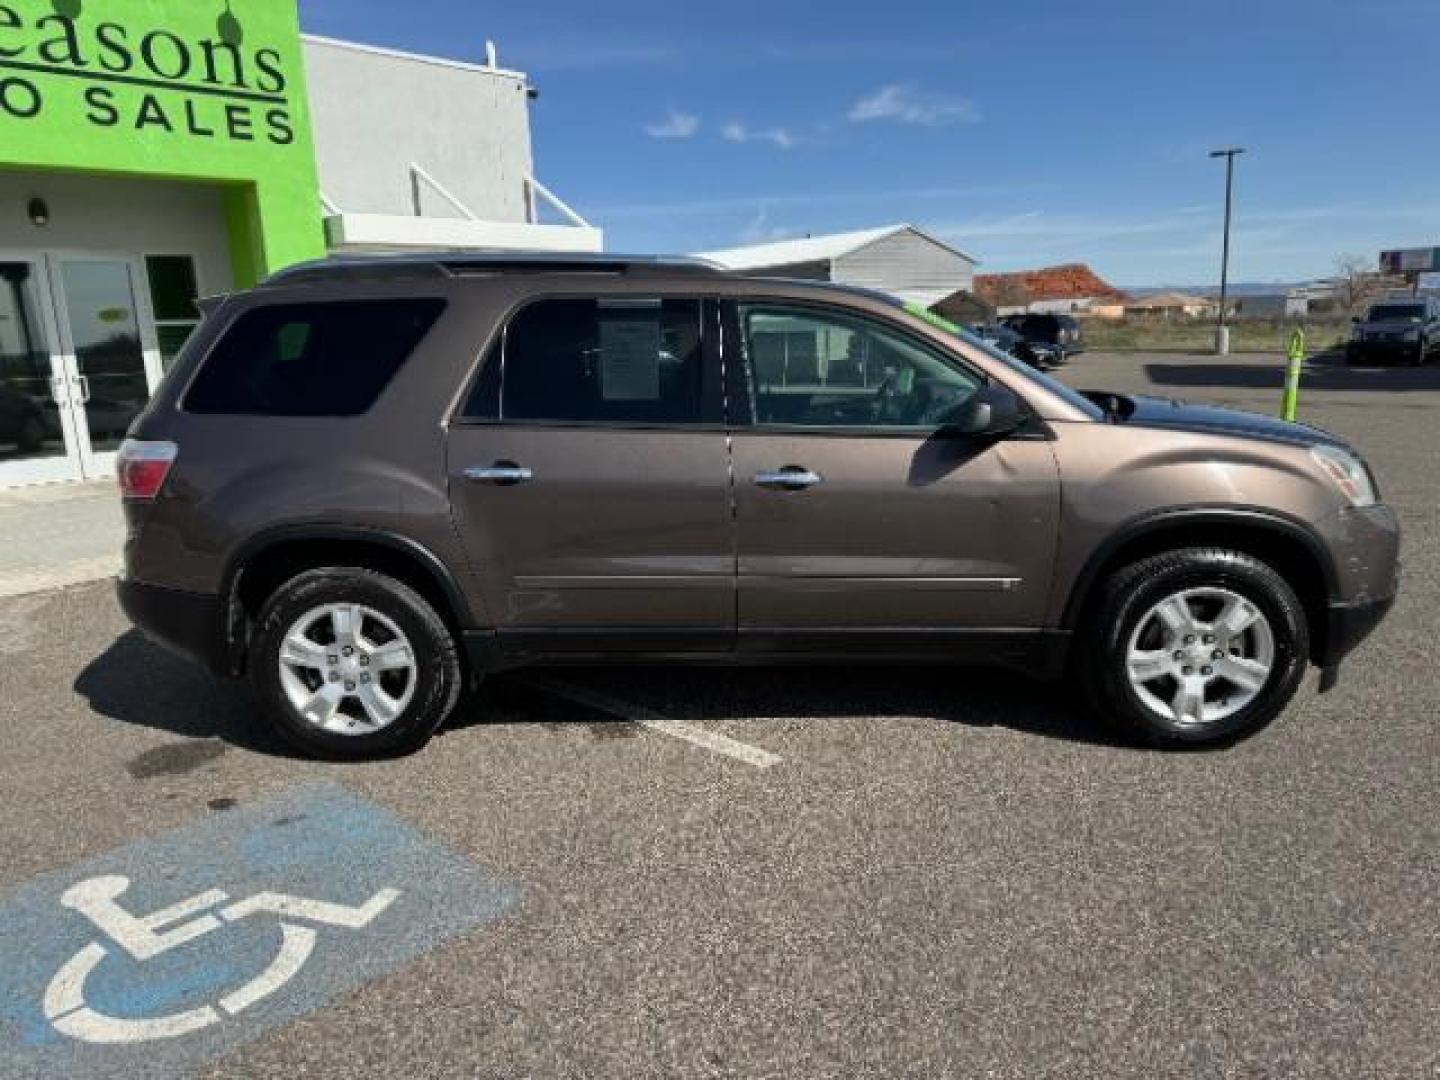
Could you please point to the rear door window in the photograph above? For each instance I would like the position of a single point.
(608, 360)
(331, 358)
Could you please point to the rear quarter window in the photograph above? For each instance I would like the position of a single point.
(332, 358)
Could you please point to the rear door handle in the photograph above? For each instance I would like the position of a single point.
(790, 478)
(501, 474)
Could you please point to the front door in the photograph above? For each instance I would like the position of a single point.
(589, 476)
(859, 523)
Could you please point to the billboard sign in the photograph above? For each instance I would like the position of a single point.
(1410, 261)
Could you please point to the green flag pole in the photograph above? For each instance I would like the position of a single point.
(1296, 352)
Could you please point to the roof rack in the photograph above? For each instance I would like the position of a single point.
(446, 264)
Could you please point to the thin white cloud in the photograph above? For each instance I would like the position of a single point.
(676, 125)
(906, 103)
(737, 132)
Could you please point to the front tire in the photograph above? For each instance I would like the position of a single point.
(350, 665)
(1194, 647)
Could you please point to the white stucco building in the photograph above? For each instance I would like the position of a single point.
(898, 259)
(422, 152)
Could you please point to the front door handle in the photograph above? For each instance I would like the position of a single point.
(501, 474)
(790, 478)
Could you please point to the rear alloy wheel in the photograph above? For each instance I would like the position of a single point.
(1195, 646)
(351, 664)
(347, 669)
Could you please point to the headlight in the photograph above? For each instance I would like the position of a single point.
(1349, 474)
(1412, 335)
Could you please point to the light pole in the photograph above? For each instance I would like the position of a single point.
(1222, 332)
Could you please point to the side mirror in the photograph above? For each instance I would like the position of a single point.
(990, 412)
(1355, 319)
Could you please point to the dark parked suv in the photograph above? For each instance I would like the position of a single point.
(367, 484)
(1407, 330)
(1060, 335)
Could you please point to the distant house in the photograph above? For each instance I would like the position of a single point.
(1267, 306)
(898, 259)
(1073, 288)
(1171, 305)
(964, 307)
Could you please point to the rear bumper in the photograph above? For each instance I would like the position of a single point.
(187, 624)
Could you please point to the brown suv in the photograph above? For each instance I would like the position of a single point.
(369, 483)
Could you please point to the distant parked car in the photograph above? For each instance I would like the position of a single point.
(1037, 354)
(1406, 330)
(1061, 332)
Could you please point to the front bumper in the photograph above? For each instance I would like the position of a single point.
(1381, 351)
(185, 623)
(1348, 625)
(1365, 544)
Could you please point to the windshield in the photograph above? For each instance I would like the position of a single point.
(1025, 371)
(1397, 313)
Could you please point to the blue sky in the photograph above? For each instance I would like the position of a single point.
(1027, 133)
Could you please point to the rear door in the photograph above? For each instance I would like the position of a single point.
(589, 474)
(860, 525)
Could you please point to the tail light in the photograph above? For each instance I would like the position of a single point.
(142, 467)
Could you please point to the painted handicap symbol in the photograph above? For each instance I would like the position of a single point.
(144, 937)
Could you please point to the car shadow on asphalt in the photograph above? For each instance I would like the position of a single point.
(975, 698)
(136, 682)
(1325, 372)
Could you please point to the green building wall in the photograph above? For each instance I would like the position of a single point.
(198, 90)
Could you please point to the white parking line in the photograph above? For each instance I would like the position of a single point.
(653, 721)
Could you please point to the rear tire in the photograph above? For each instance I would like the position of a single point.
(1209, 683)
(351, 665)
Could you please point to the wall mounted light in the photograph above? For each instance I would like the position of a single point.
(39, 213)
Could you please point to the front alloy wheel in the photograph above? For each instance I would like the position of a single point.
(1200, 656)
(1194, 646)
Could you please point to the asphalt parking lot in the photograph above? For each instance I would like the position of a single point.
(886, 873)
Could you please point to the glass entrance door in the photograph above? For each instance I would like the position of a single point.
(38, 436)
(107, 348)
(78, 361)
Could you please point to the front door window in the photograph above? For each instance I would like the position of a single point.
(825, 369)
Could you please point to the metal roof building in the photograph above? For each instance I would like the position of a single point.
(898, 259)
